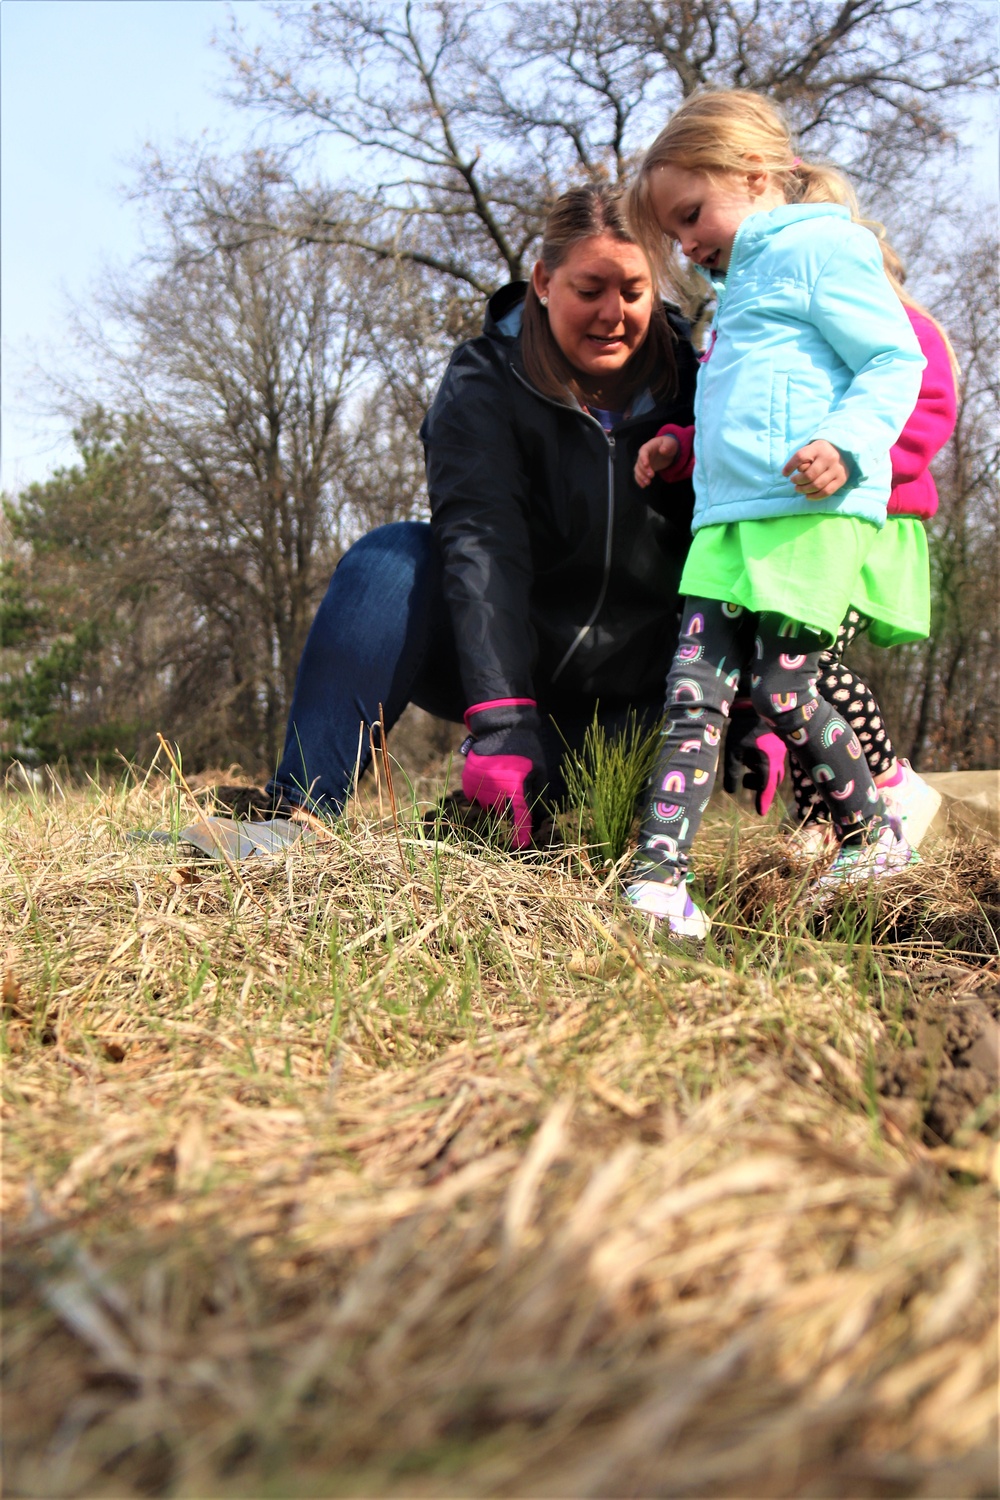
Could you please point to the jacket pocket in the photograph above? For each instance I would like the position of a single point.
(782, 446)
(733, 441)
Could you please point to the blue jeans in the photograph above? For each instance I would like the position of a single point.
(383, 635)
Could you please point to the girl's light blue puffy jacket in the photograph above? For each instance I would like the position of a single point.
(808, 341)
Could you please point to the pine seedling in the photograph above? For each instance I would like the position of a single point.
(604, 780)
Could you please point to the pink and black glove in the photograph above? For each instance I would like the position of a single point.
(504, 767)
(754, 755)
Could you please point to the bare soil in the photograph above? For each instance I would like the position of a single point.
(951, 1065)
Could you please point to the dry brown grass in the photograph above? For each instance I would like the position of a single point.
(389, 1170)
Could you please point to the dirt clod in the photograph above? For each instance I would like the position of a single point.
(953, 1070)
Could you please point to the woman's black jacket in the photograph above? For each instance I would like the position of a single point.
(560, 573)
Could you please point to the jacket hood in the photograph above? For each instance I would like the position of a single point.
(504, 310)
(759, 230)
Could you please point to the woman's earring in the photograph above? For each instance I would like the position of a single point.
(544, 301)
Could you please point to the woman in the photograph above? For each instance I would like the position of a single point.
(546, 581)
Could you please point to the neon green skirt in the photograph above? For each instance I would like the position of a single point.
(803, 567)
(894, 585)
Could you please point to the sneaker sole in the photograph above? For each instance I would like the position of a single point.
(695, 924)
(827, 887)
(845, 882)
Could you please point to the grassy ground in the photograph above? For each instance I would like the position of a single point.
(401, 1169)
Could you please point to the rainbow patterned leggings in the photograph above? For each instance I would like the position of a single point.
(855, 700)
(717, 641)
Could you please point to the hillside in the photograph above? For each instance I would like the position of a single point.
(394, 1168)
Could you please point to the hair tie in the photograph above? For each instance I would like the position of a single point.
(796, 162)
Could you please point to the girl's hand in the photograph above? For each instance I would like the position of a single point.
(817, 470)
(659, 453)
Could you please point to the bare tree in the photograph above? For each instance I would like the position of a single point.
(241, 360)
(873, 82)
(942, 696)
(281, 348)
(958, 710)
(274, 386)
(399, 83)
(254, 424)
(464, 124)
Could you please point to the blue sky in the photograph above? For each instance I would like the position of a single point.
(83, 85)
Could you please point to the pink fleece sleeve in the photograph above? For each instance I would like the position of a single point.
(683, 465)
(932, 421)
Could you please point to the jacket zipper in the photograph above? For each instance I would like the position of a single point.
(602, 593)
(720, 297)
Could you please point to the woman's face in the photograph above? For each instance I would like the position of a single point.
(600, 304)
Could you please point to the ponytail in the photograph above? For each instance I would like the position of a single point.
(818, 182)
(895, 272)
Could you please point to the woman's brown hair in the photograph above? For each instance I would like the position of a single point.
(580, 214)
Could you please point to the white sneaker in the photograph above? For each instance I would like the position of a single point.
(669, 901)
(887, 854)
(913, 802)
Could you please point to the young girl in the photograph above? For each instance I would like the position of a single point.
(809, 375)
(892, 600)
(893, 594)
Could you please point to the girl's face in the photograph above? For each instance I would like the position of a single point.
(703, 213)
(600, 303)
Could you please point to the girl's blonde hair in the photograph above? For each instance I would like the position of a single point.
(896, 272)
(735, 130)
(728, 130)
